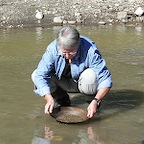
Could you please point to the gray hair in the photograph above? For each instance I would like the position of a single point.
(68, 37)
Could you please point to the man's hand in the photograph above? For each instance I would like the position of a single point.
(50, 104)
(92, 109)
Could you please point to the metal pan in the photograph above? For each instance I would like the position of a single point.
(69, 115)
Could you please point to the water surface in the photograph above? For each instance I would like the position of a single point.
(121, 118)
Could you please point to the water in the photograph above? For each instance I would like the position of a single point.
(121, 118)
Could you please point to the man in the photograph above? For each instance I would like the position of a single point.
(71, 63)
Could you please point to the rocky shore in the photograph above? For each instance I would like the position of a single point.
(20, 13)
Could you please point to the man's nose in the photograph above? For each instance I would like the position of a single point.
(67, 55)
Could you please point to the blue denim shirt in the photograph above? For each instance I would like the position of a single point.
(53, 62)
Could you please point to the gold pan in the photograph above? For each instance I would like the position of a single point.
(69, 115)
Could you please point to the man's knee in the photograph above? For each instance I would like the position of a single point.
(87, 83)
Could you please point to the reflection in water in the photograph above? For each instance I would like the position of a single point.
(48, 136)
(38, 140)
(56, 29)
(138, 30)
(83, 136)
(89, 137)
(39, 35)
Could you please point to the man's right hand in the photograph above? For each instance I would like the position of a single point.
(50, 103)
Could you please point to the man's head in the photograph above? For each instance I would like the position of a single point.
(68, 38)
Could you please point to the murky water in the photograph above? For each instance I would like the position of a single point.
(121, 118)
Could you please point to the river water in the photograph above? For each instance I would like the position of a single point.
(121, 117)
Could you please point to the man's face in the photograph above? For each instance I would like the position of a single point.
(68, 53)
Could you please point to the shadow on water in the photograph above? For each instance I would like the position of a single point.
(125, 99)
(118, 101)
(115, 102)
(93, 131)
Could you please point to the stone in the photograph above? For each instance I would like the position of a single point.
(139, 11)
(101, 22)
(39, 15)
(65, 21)
(122, 16)
(72, 22)
(57, 20)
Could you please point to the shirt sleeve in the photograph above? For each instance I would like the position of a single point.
(107, 83)
(98, 64)
(40, 88)
(42, 75)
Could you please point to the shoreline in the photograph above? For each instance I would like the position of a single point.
(33, 13)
